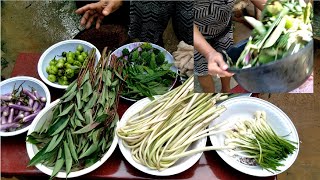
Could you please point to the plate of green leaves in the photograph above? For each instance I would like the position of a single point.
(148, 70)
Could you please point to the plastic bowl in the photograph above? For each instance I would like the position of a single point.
(7, 86)
(168, 57)
(56, 50)
(32, 149)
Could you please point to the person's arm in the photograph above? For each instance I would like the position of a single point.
(259, 3)
(97, 11)
(216, 64)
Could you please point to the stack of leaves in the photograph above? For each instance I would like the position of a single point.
(81, 129)
(147, 72)
(284, 29)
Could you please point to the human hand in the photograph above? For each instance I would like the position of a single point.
(216, 65)
(97, 11)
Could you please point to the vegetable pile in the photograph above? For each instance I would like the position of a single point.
(162, 131)
(165, 129)
(285, 28)
(255, 139)
(65, 69)
(147, 72)
(81, 129)
(20, 107)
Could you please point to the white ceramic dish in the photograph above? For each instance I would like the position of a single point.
(245, 107)
(180, 166)
(168, 57)
(32, 149)
(7, 86)
(56, 50)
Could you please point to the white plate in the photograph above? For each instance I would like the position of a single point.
(131, 46)
(180, 166)
(32, 149)
(245, 107)
(7, 86)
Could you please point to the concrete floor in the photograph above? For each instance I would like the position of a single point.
(304, 111)
(31, 35)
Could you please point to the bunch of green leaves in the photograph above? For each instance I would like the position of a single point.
(147, 72)
(284, 29)
(82, 126)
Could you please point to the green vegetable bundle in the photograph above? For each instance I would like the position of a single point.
(255, 139)
(147, 72)
(82, 127)
(285, 28)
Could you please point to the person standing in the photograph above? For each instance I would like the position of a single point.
(213, 34)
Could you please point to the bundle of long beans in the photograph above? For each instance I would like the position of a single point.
(82, 127)
(162, 131)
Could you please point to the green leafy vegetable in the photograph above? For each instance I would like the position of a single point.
(144, 67)
(71, 139)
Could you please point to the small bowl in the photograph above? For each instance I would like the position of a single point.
(56, 50)
(168, 57)
(32, 149)
(7, 86)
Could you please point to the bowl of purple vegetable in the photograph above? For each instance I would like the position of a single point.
(22, 98)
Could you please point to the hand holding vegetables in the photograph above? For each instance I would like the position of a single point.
(20, 107)
(284, 29)
(184, 59)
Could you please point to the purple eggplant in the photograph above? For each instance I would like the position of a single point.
(42, 105)
(20, 112)
(35, 106)
(29, 117)
(20, 107)
(9, 125)
(17, 118)
(6, 97)
(16, 112)
(6, 113)
(5, 110)
(35, 92)
(4, 119)
(11, 113)
(30, 94)
(39, 97)
(43, 99)
(30, 102)
(26, 114)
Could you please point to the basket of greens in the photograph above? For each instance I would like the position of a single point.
(278, 57)
(148, 70)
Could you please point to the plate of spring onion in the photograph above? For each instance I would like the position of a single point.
(257, 137)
